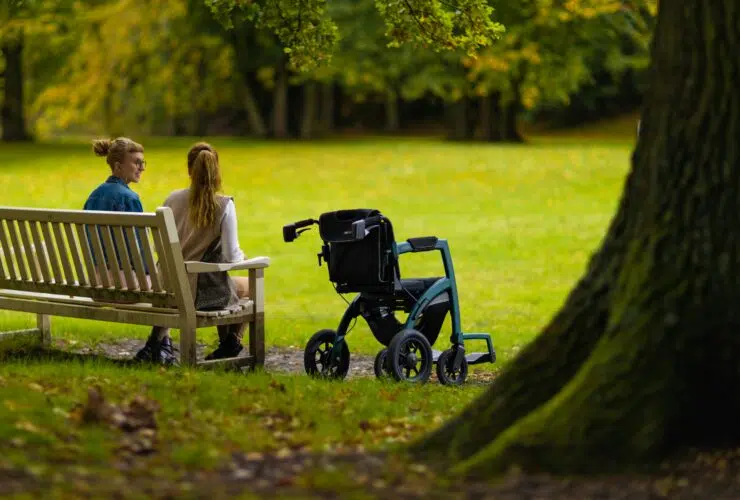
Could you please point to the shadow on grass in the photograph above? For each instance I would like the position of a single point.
(20, 352)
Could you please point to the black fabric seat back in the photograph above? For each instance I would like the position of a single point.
(359, 265)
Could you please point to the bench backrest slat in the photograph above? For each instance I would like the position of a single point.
(124, 251)
(30, 260)
(39, 262)
(87, 256)
(112, 260)
(7, 263)
(138, 262)
(146, 243)
(76, 252)
(93, 233)
(17, 250)
(61, 250)
(50, 252)
(103, 255)
(163, 256)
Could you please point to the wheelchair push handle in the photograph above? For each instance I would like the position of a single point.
(291, 231)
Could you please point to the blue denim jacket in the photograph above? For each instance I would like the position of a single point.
(114, 195)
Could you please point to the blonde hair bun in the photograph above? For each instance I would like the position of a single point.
(101, 147)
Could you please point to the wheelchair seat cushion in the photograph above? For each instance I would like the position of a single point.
(416, 286)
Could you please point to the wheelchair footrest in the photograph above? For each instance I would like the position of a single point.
(475, 358)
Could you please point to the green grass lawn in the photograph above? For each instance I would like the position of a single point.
(521, 221)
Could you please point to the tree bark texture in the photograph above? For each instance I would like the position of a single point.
(12, 112)
(309, 111)
(392, 117)
(255, 121)
(643, 357)
(280, 102)
(328, 106)
(461, 120)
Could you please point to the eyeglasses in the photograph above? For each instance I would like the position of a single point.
(140, 163)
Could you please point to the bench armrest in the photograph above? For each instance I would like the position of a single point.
(194, 266)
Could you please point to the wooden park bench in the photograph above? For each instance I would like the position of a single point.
(52, 263)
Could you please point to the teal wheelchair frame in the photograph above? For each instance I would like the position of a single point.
(409, 355)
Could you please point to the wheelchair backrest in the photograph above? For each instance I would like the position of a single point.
(359, 262)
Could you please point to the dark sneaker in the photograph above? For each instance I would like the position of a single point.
(157, 352)
(166, 353)
(226, 350)
(146, 353)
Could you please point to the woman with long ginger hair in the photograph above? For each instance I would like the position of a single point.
(206, 226)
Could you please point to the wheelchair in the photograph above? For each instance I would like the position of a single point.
(362, 257)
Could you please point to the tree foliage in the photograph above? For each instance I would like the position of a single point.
(309, 35)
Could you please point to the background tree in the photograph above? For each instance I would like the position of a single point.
(138, 66)
(549, 51)
(21, 20)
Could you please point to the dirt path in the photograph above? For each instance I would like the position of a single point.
(277, 359)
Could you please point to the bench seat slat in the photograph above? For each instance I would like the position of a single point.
(115, 315)
(98, 293)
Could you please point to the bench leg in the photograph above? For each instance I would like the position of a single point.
(187, 346)
(257, 325)
(43, 323)
(257, 339)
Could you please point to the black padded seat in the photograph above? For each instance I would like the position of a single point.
(416, 286)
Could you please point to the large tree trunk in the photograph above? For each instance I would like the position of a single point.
(308, 115)
(12, 113)
(392, 117)
(509, 116)
(643, 356)
(280, 102)
(257, 125)
(242, 42)
(490, 118)
(461, 119)
(326, 118)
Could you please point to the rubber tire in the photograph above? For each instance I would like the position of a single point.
(442, 374)
(379, 367)
(318, 339)
(394, 355)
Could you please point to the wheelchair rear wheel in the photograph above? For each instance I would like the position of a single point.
(317, 356)
(410, 357)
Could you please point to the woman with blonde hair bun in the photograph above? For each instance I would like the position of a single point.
(126, 161)
(207, 228)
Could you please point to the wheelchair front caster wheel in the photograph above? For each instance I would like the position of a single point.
(410, 357)
(446, 374)
(317, 356)
(380, 367)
